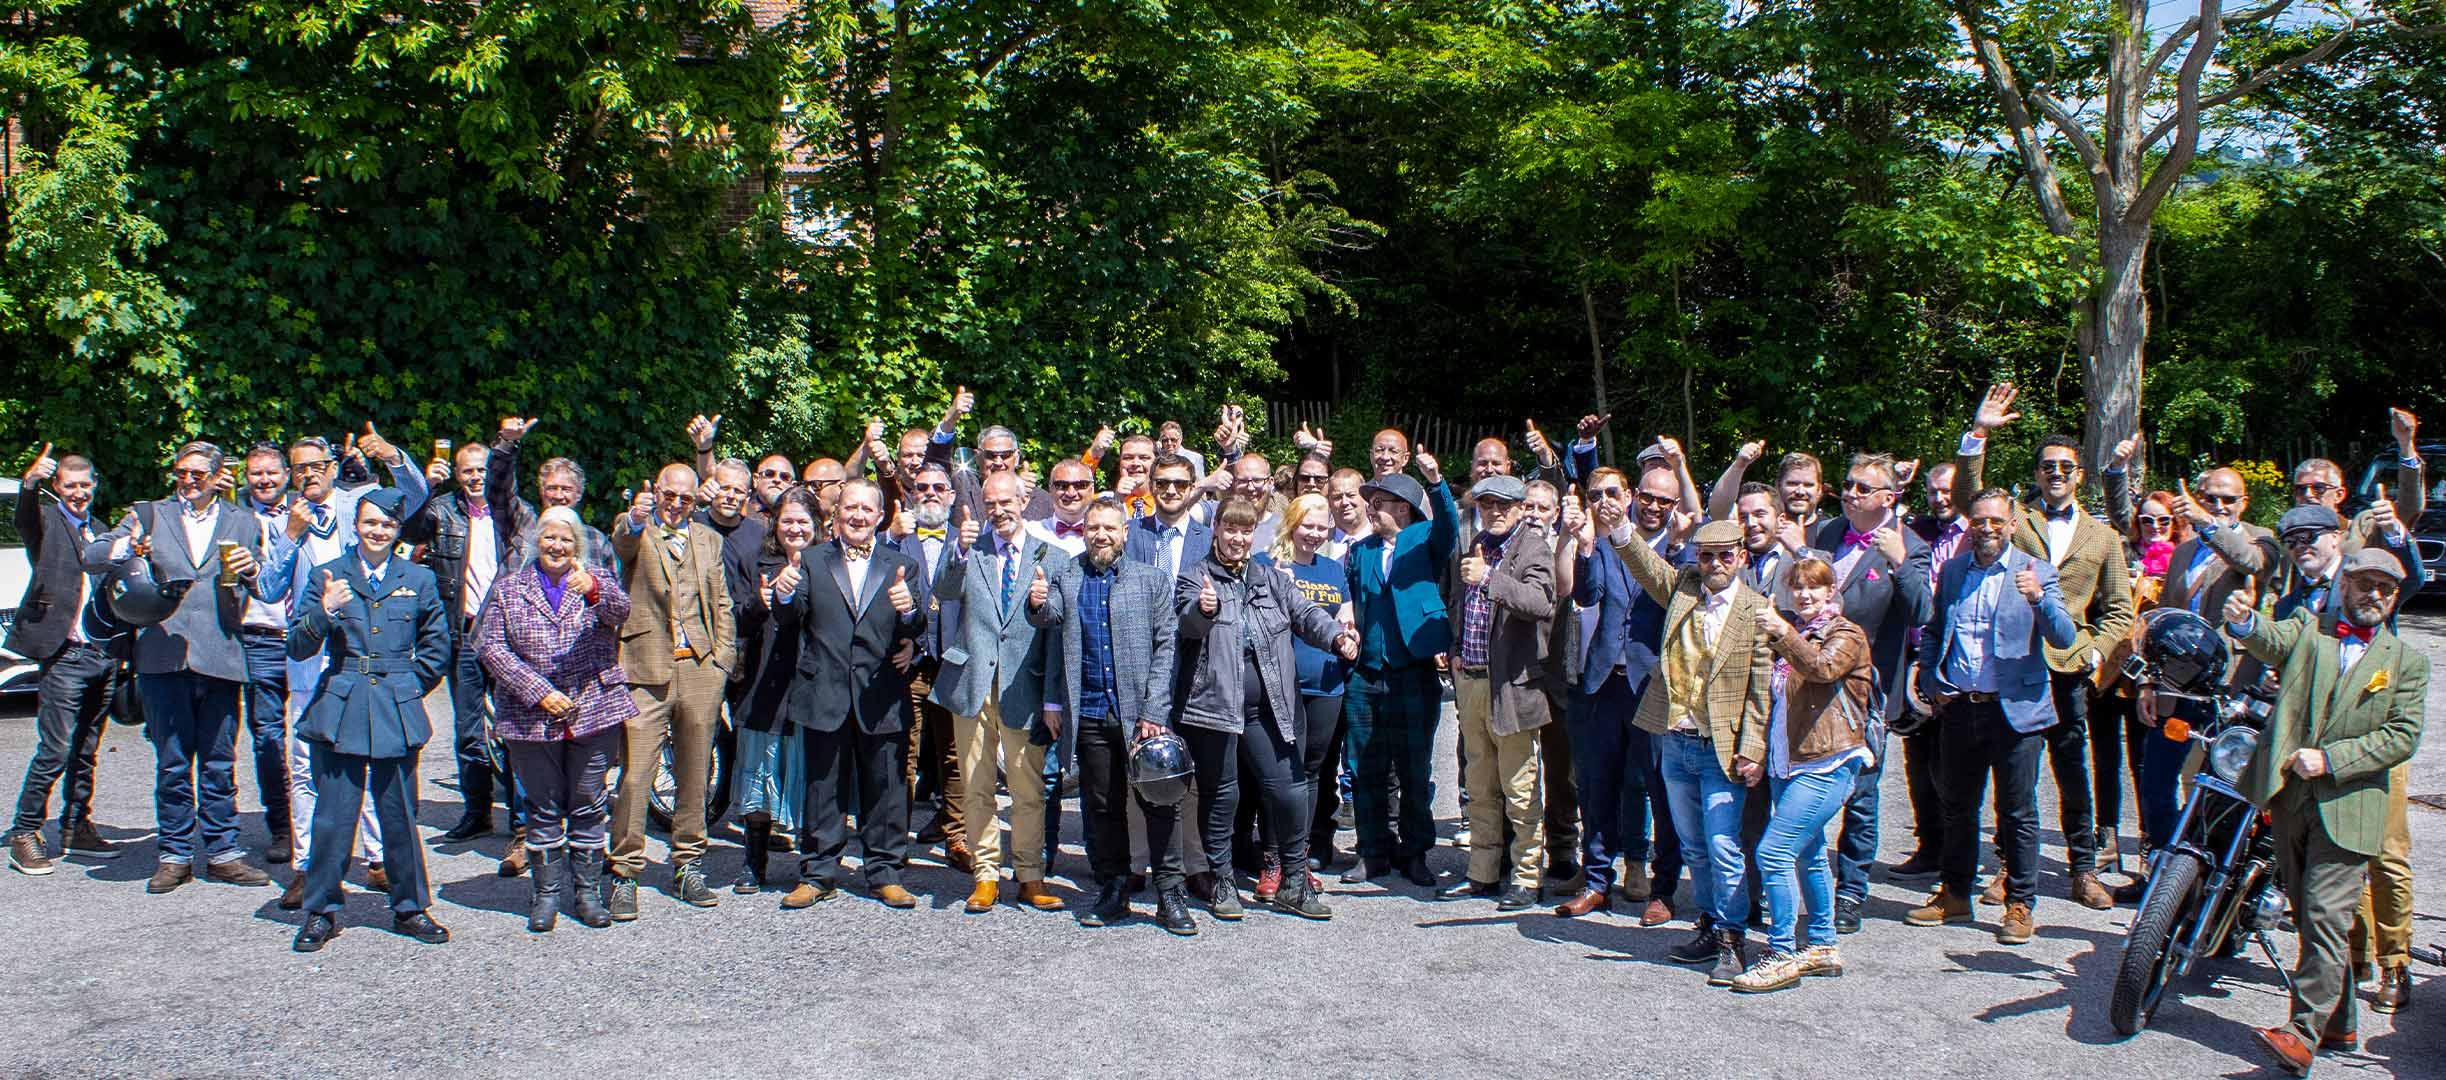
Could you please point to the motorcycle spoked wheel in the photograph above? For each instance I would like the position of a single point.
(2141, 981)
(663, 794)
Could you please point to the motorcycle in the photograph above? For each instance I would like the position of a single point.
(2213, 888)
(663, 795)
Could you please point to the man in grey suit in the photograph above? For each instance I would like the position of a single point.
(1110, 685)
(190, 668)
(992, 680)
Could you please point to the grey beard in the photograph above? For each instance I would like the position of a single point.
(932, 516)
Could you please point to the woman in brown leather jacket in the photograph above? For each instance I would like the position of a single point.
(1817, 741)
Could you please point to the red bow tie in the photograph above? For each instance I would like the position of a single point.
(2348, 632)
(1064, 528)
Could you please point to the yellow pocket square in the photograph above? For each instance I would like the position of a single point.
(2378, 682)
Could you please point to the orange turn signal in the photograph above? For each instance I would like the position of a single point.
(2178, 730)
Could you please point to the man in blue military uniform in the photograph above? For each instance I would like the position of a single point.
(384, 633)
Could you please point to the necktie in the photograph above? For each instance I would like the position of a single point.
(1010, 571)
(676, 542)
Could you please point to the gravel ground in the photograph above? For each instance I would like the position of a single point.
(201, 982)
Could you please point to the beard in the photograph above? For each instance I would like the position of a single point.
(2366, 610)
(932, 515)
(1989, 550)
(1103, 558)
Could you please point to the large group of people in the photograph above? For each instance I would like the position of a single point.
(1226, 655)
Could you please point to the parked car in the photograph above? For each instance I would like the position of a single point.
(18, 675)
(2429, 533)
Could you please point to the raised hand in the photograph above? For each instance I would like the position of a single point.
(1996, 409)
(1904, 471)
(514, 428)
(2382, 515)
(1593, 423)
(336, 592)
(437, 471)
(969, 531)
(2407, 430)
(641, 508)
(785, 583)
(1473, 569)
(1303, 439)
(1888, 541)
(2027, 582)
(1771, 625)
(2189, 508)
(702, 431)
(1682, 526)
(301, 518)
(1209, 601)
(2121, 456)
(1103, 440)
(1672, 448)
(1039, 590)
(903, 601)
(579, 581)
(42, 468)
(1790, 536)
(904, 523)
(1428, 469)
(1750, 452)
(2240, 605)
(377, 448)
(1536, 440)
(963, 402)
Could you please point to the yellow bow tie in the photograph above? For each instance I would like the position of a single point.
(849, 551)
(930, 534)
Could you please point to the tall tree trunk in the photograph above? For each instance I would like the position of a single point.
(1596, 363)
(2114, 333)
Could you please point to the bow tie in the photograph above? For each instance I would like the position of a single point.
(1858, 539)
(857, 551)
(2346, 631)
(1063, 529)
(2061, 515)
(930, 534)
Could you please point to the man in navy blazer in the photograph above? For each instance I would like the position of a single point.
(1394, 699)
(1983, 665)
(1172, 537)
(1882, 569)
(859, 614)
(55, 627)
(1613, 764)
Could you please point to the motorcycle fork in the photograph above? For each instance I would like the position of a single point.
(2213, 887)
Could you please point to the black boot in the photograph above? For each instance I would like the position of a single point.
(1112, 904)
(1297, 898)
(586, 882)
(545, 866)
(1172, 910)
(751, 869)
(1700, 949)
(472, 824)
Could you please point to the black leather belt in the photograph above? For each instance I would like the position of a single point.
(371, 665)
(1476, 672)
(263, 631)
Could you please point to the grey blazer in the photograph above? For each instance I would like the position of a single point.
(994, 650)
(201, 636)
(1145, 636)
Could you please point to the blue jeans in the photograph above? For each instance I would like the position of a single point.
(1856, 845)
(468, 685)
(2160, 793)
(1707, 818)
(1792, 855)
(267, 700)
(192, 721)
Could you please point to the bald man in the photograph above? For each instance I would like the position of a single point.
(1388, 453)
(824, 476)
(677, 648)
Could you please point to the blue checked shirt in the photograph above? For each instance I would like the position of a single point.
(1096, 682)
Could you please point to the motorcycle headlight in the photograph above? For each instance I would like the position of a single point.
(2231, 751)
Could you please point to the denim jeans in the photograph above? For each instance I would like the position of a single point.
(267, 703)
(1856, 845)
(1707, 818)
(468, 685)
(192, 721)
(72, 709)
(1792, 855)
(2160, 789)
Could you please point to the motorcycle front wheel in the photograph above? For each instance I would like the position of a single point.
(2140, 983)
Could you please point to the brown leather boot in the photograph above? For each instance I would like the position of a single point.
(2394, 989)
(1941, 909)
(2088, 892)
(1033, 894)
(981, 899)
(2017, 926)
(515, 862)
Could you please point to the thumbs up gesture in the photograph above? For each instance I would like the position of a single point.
(1536, 439)
(2189, 507)
(903, 523)
(702, 429)
(1038, 590)
(376, 448)
(1209, 601)
(785, 583)
(969, 531)
(2027, 582)
(579, 581)
(1473, 569)
(336, 592)
(41, 469)
(903, 601)
(2240, 605)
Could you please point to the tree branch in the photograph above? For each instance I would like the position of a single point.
(2036, 161)
(2070, 125)
(2186, 119)
(2250, 85)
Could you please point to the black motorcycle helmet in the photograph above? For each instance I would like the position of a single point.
(132, 598)
(2181, 652)
(1159, 769)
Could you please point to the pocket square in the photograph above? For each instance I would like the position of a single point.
(2378, 682)
(1872, 573)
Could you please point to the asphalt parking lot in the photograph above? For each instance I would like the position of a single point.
(108, 981)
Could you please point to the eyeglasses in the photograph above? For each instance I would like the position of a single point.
(1173, 483)
(2220, 500)
(998, 455)
(2058, 467)
(1646, 499)
(2313, 490)
(1714, 555)
(819, 485)
(1990, 522)
(930, 488)
(1071, 485)
(312, 466)
(191, 474)
(1855, 487)
(772, 474)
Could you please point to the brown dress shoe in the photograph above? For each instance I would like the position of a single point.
(1588, 900)
(2340, 1042)
(1658, 912)
(236, 872)
(294, 897)
(1994, 896)
(168, 876)
(1034, 894)
(957, 856)
(2088, 892)
(375, 879)
(1941, 909)
(2394, 989)
(2287, 1048)
(807, 895)
(893, 896)
(514, 863)
(981, 899)
(2017, 925)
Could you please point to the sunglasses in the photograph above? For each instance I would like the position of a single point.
(1646, 499)
(998, 455)
(935, 488)
(1713, 555)
(1071, 485)
(2313, 489)
(1314, 478)
(2058, 467)
(773, 474)
(1609, 493)
(1171, 483)
(1855, 487)
(2303, 540)
(2156, 521)
(2220, 500)
(191, 474)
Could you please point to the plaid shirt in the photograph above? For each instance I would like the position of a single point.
(1478, 608)
(1096, 681)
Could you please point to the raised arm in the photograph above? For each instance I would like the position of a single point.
(1727, 493)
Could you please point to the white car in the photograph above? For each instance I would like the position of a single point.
(18, 675)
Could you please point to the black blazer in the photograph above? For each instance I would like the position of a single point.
(54, 597)
(845, 659)
(1886, 600)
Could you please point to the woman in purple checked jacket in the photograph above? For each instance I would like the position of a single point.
(550, 640)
